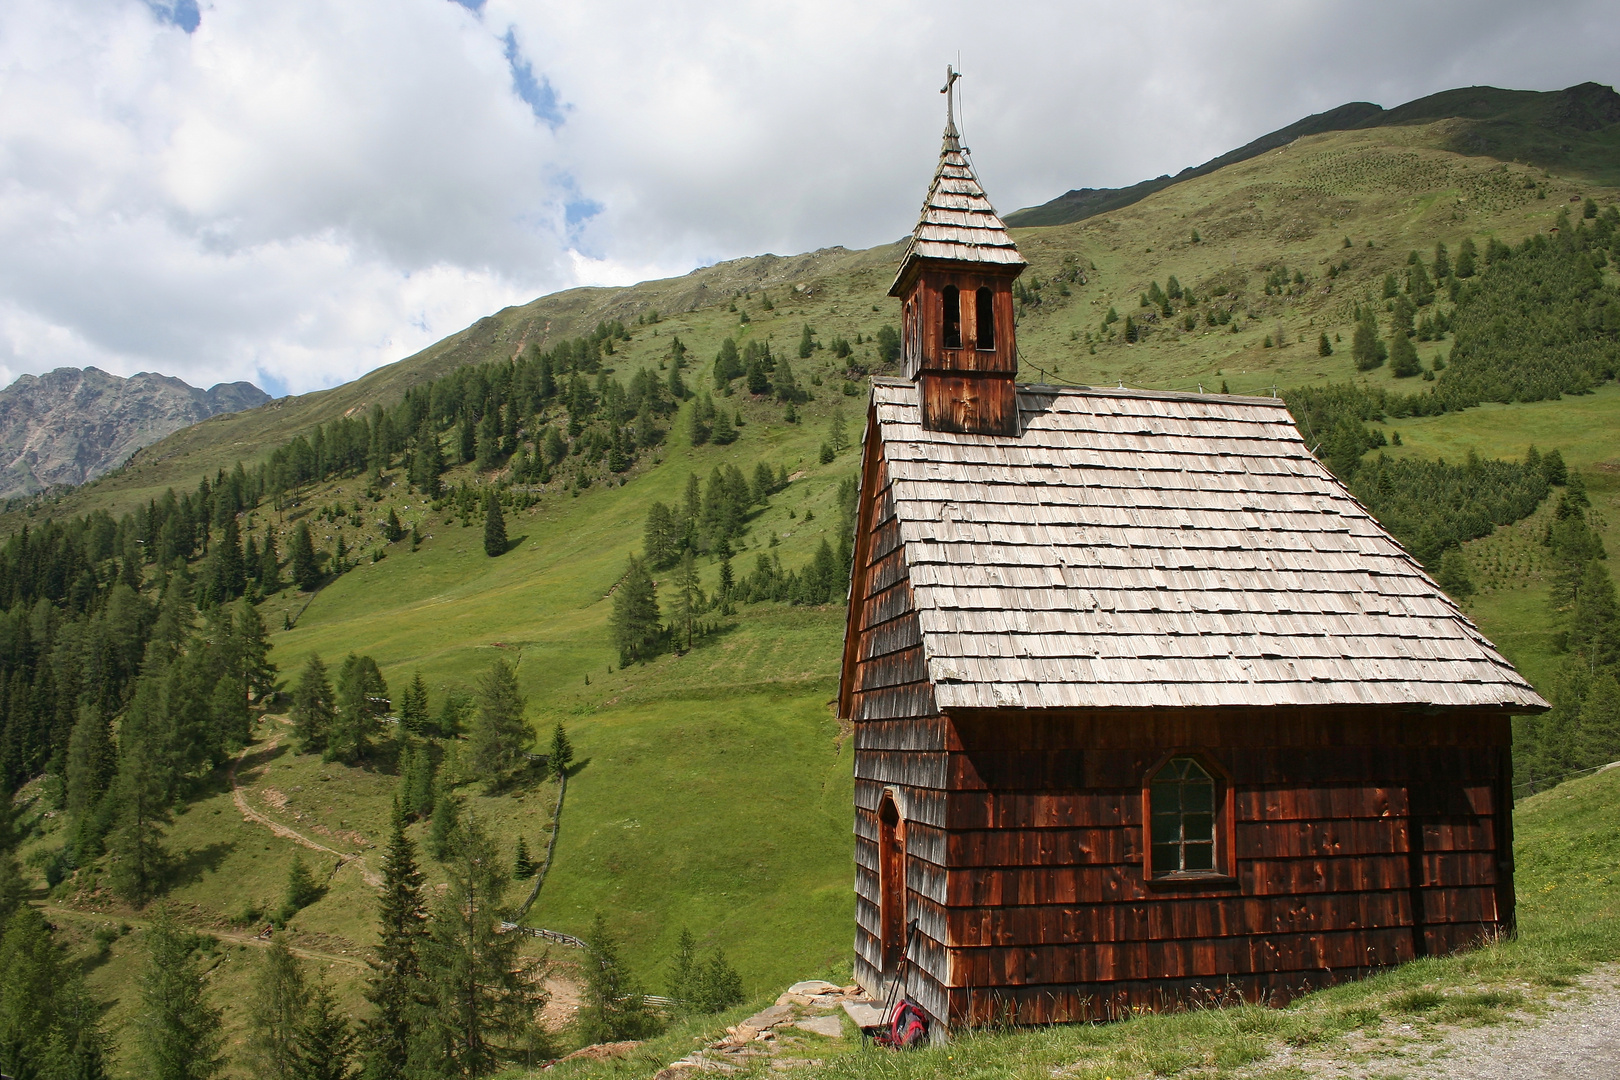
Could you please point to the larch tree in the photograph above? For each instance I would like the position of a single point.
(499, 739)
(305, 569)
(484, 994)
(685, 596)
(615, 1007)
(276, 1004)
(177, 1030)
(141, 798)
(634, 621)
(362, 702)
(48, 1022)
(394, 986)
(313, 706)
(326, 1041)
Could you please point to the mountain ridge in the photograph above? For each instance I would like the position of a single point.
(1512, 125)
(71, 425)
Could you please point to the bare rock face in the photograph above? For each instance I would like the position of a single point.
(70, 426)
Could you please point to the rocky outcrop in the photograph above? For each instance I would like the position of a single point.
(72, 425)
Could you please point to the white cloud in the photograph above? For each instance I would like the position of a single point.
(297, 192)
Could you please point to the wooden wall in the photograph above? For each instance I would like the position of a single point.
(899, 745)
(1363, 839)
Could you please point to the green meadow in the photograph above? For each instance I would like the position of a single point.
(714, 788)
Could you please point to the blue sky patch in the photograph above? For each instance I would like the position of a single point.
(578, 211)
(181, 13)
(536, 93)
(474, 6)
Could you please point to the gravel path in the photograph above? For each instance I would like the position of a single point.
(1577, 1038)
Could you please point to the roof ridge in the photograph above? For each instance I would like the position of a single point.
(1113, 391)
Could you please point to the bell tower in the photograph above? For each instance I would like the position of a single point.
(955, 287)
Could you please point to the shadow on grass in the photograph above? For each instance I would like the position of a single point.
(189, 868)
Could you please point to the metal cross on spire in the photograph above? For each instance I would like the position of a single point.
(951, 75)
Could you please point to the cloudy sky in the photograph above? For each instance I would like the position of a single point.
(297, 191)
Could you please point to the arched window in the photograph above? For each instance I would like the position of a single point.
(1182, 797)
(953, 317)
(984, 322)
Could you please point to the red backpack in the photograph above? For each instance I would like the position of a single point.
(908, 1026)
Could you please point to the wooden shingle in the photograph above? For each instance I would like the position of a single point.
(1141, 549)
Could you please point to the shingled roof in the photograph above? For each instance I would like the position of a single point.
(1136, 549)
(957, 221)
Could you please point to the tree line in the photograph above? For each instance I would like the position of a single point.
(1582, 730)
(705, 523)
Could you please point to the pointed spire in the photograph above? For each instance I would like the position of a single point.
(957, 223)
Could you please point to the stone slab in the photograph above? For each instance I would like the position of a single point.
(812, 987)
(864, 1014)
(776, 1014)
(828, 1026)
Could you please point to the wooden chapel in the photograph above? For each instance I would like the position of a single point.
(1147, 707)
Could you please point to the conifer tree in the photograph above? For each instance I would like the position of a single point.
(394, 986)
(306, 571)
(1365, 348)
(141, 799)
(252, 655)
(522, 862)
(313, 707)
(446, 816)
(683, 971)
(91, 764)
(807, 342)
(489, 441)
(724, 432)
(494, 527)
(48, 1023)
(229, 572)
(177, 1030)
(1403, 357)
(615, 1007)
(686, 595)
(555, 449)
(269, 565)
(499, 738)
(276, 1004)
(413, 711)
(561, 753)
(416, 771)
(427, 463)
(718, 986)
(326, 1041)
(11, 879)
(301, 888)
(1324, 347)
(634, 621)
(362, 702)
(483, 992)
(1467, 254)
(836, 435)
(466, 440)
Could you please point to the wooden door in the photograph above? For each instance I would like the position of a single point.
(892, 880)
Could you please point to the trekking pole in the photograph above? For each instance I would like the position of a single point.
(892, 998)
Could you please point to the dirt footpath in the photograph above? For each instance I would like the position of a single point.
(1576, 1038)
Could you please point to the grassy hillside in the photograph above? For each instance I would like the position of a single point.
(714, 791)
(1574, 131)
